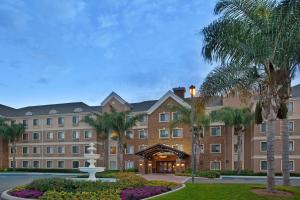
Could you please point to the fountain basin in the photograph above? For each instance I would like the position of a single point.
(92, 172)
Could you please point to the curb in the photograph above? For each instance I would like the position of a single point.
(259, 177)
(6, 196)
(177, 189)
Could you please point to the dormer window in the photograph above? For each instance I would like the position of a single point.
(77, 110)
(28, 113)
(164, 117)
(51, 112)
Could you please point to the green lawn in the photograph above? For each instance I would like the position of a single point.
(223, 192)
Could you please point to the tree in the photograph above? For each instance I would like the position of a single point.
(115, 124)
(257, 45)
(239, 119)
(11, 131)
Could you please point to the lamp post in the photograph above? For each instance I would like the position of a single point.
(193, 93)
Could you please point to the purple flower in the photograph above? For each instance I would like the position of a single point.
(27, 193)
(142, 192)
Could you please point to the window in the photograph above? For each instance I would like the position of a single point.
(35, 150)
(143, 118)
(129, 149)
(49, 121)
(143, 134)
(164, 117)
(164, 133)
(129, 135)
(86, 149)
(129, 165)
(61, 135)
(49, 164)
(25, 163)
(215, 148)
(215, 131)
(178, 147)
(75, 164)
(215, 165)
(61, 121)
(292, 166)
(25, 137)
(75, 134)
(201, 148)
(291, 126)
(12, 164)
(35, 164)
(61, 149)
(24, 123)
(113, 150)
(61, 164)
(11, 150)
(49, 136)
(25, 150)
(291, 145)
(291, 107)
(175, 115)
(86, 164)
(75, 120)
(112, 164)
(177, 132)
(87, 134)
(75, 149)
(263, 146)
(263, 165)
(35, 122)
(50, 150)
(263, 127)
(142, 147)
(235, 147)
(35, 136)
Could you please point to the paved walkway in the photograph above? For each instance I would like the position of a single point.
(166, 177)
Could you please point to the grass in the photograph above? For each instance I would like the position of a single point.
(224, 192)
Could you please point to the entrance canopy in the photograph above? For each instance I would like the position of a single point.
(160, 148)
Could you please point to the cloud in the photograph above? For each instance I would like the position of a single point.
(42, 81)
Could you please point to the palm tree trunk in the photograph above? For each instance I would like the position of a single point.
(120, 156)
(285, 153)
(270, 155)
(14, 155)
(238, 169)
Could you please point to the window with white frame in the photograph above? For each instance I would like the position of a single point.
(49, 121)
(291, 145)
(164, 117)
(112, 164)
(35, 122)
(25, 164)
(263, 146)
(49, 135)
(142, 147)
(75, 134)
(60, 164)
(61, 149)
(35, 136)
(143, 134)
(129, 149)
(215, 165)
(25, 150)
(263, 127)
(75, 149)
(291, 107)
(129, 164)
(263, 165)
(61, 135)
(291, 126)
(35, 150)
(178, 147)
(35, 164)
(61, 121)
(50, 150)
(164, 133)
(129, 134)
(75, 164)
(25, 137)
(215, 131)
(49, 164)
(215, 148)
(201, 148)
(88, 134)
(177, 132)
(75, 120)
(113, 150)
(24, 122)
(291, 165)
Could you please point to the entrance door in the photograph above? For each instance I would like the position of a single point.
(165, 166)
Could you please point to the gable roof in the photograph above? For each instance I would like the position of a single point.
(6, 111)
(142, 106)
(113, 95)
(169, 94)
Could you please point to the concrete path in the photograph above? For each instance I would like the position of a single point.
(166, 177)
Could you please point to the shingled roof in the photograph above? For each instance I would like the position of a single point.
(142, 106)
(296, 91)
(6, 111)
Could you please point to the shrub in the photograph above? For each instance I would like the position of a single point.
(53, 184)
(143, 192)
(98, 195)
(45, 170)
(208, 174)
(161, 183)
(130, 180)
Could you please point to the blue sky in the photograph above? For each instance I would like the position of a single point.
(54, 51)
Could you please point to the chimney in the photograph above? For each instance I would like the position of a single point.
(179, 91)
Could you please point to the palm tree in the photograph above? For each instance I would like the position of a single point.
(116, 124)
(256, 43)
(239, 119)
(11, 131)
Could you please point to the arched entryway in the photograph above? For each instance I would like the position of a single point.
(160, 158)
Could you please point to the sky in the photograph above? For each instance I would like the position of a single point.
(58, 51)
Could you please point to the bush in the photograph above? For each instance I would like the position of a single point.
(143, 192)
(43, 170)
(161, 183)
(98, 195)
(206, 174)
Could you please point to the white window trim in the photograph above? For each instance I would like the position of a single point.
(76, 133)
(163, 129)
(215, 127)
(145, 132)
(38, 135)
(292, 106)
(215, 169)
(78, 149)
(23, 150)
(129, 161)
(130, 148)
(63, 147)
(50, 133)
(163, 113)
(33, 164)
(293, 145)
(73, 165)
(293, 122)
(179, 129)
(38, 150)
(215, 144)
(50, 152)
(47, 165)
(260, 127)
(289, 161)
(260, 146)
(27, 162)
(264, 170)
(63, 134)
(85, 135)
(58, 164)
(173, 115)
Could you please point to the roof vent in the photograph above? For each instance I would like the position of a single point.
(77, 110)
(51, 112)
(28, 113)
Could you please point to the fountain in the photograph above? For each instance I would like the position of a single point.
(91, 158)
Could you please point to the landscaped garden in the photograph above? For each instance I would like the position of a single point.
(127, 187)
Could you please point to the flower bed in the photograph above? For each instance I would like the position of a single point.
(143, 192)
(26, 193)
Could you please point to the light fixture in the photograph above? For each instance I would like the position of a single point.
(192, 90)
(141, 164)
(162, 156)
(177, 164)
(182, 164)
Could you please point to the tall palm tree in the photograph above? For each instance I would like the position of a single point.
(116, 124)
(239, 119)
(11, 131)
(256, 44)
